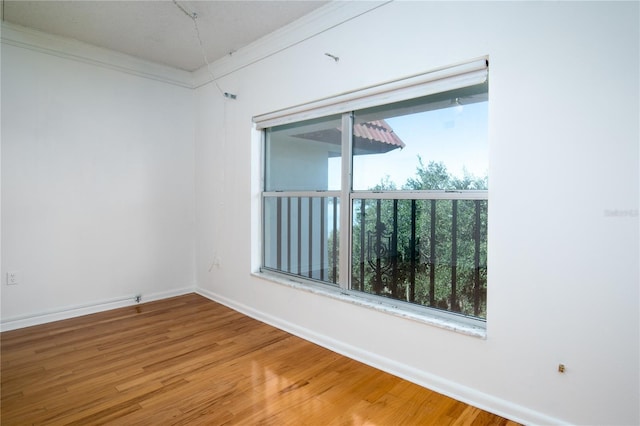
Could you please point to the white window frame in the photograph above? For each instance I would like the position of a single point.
(436, 81)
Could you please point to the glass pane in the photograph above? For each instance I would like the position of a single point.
(431, 143)
(301, 236)
(427, 252)
(304, 156)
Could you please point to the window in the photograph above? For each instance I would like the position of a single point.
(300, 210)
(383, 193)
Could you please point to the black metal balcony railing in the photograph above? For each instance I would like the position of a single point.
(427, 252)
(423, 251)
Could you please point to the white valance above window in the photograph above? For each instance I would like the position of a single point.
(436, 81)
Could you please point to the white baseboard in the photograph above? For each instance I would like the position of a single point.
(86, 309)
(438, 384)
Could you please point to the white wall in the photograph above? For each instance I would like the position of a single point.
(98, 194)
(563, 230)
(97, 183)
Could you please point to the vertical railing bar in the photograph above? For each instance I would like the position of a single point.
(323, 201)
(454, 254)
(413, 246)
(476, 261)
(362, 234)
(289, 234)
(432, 256)
(394, 251)
(279, 234)
(310, 271)
(335, 239)
(299, 235)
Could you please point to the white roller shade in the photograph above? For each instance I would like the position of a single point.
(442, 80)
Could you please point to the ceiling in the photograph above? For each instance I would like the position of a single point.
(160, 31)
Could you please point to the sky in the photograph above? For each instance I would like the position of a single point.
(457, 136)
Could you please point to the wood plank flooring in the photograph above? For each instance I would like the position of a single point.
(190, 361)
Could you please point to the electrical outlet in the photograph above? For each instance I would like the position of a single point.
(13, 278)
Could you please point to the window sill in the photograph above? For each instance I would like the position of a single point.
(435, 319)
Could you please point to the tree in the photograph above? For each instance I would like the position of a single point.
(408, 250)
(435, 176)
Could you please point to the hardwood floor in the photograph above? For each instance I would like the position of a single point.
(190, 361)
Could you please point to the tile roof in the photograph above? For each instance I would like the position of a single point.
(372, 137)
(377, 131)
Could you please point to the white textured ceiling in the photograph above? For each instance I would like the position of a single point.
(159, 31)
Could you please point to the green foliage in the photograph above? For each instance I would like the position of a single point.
(407, 250)
(435, 176)
(386, 184)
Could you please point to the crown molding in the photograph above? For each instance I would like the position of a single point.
(323, 19)
(28, 38)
